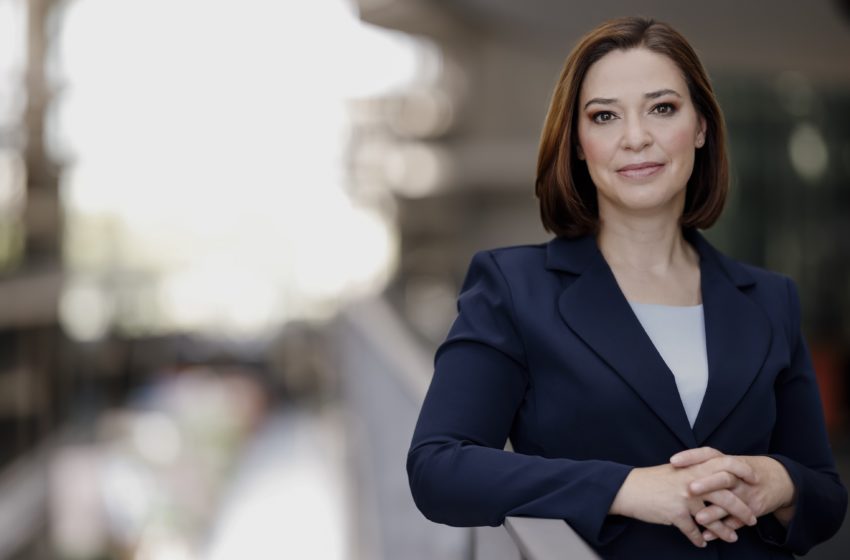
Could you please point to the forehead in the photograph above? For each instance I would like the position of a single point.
(622, 73)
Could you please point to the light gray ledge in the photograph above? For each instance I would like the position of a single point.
(547, 539)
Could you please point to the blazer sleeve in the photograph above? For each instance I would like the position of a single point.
(459, 473)
(801, 444)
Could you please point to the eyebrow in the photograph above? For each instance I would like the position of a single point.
(650, 95)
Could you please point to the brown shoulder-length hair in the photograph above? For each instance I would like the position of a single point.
(568, 204)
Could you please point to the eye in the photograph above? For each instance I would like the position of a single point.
(602, 117)
(664, 109)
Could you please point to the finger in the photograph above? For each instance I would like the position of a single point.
(735, 465)
(718, 481)
(686, 525)
(713, 525)
(718, 529)
(733, 523)
(732, 504)
(694, 456)
(710, 514)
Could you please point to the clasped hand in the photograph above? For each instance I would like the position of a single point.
(704, 487)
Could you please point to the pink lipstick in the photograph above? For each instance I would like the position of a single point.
(640, 170)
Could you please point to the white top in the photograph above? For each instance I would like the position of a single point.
(678, 334)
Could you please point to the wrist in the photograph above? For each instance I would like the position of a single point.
(617, 505)
(789, 494)
(781, 483)
(622, 501)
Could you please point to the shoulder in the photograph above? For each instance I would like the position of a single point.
(510, 264)
(767, 278)
(744, 275)
(775, 292)
(506, 273)
(518, 257)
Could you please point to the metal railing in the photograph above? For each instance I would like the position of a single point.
(372, 331)
(23, 499)
(547, 539)
(384, 373)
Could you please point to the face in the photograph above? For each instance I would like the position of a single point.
(637, 131)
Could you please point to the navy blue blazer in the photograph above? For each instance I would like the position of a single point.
(546, 351)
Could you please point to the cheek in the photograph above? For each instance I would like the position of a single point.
(679, 146)
(596, 148)
(680, 141)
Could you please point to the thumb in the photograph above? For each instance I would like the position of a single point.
(694, 456)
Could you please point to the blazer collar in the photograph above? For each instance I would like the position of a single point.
(572, 255)
(737, 332)
(575, 255)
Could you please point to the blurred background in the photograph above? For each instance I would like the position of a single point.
(232, 234)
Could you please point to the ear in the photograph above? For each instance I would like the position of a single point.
(579, 152)
(699, 142)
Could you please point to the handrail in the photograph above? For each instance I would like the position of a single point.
(23, 498)
(385, 372)
(534, 538)
(376, 321)
(547, 539)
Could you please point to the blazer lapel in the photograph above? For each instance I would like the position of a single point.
(737, 333)
(594, 307)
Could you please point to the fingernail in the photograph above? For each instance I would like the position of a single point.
(709, 536)
(696, 487)
(734, 536)
(753, 520)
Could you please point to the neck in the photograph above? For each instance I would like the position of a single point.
(643, 244)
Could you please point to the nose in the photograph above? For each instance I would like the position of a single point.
(635, 135)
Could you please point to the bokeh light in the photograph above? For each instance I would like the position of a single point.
(205, 151)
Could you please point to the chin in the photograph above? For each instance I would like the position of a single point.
(647, 202)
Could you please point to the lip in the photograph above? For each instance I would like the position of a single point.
(640, 170)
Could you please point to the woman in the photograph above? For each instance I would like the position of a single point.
(658, 395)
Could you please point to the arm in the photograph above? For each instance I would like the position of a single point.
(801, 445)
(458, 471)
